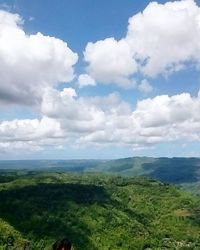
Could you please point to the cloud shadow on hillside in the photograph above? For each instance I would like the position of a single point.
(45, 211)
(174, 170)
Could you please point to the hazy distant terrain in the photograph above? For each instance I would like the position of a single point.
(50, 165)
(181, 171)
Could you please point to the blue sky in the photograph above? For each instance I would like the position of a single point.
(99, 79)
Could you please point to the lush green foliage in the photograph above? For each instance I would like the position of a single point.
(180, 171)
(184, 172)
(96, 212)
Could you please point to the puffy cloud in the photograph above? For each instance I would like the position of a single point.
(160, 40)
(86, 80)
(74, 114)
(164, 110)
(110, 61)
(165, 36)
(30, 63)
(145, 87)
(29, 129)
(68, 118)
(155, 120)
(29, 134)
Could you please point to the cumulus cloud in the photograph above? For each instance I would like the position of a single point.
(160, 40)
(153, 121)
(29, 129)
(165, 36)
(145, 87)
(86, 80)
(30, 63)
(29, 134)
(68, 118)
(74, 114)
(110, 61)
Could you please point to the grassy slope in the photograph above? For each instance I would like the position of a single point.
(98, 212)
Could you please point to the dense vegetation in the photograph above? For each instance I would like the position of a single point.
(184, 172)
(97, 212)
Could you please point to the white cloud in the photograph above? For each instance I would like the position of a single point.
(30, 63)
(74, 114)
(29, 134)
(145, 87)
(165, 36)
(164, 110)
(155, 120)
(86, 80)
(32, 66)
(19, 147)
(160, 40)
(110, 61)
(29, 129)
(68, 118)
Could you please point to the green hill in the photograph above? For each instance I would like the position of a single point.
(181, 171)
(96, 212)
(184, 172)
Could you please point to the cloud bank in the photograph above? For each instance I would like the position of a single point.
(106, 120)
(162, 39)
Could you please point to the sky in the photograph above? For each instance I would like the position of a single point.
(102, 79)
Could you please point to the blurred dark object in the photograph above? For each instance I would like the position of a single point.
(64, 244)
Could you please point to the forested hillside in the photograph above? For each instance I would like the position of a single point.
(184, 172)
(181, 171)
(97, 212)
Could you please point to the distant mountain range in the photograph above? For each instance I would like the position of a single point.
(50, 165)
(181, 171)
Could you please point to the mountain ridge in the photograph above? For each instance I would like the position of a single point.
(177, 170)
